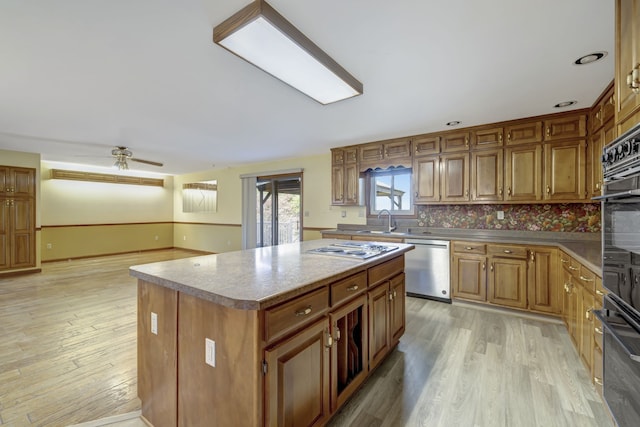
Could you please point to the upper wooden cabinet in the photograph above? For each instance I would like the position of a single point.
(603, 110)
(17, 182)
(394, 152)
(523, 173)
(524, 133)
(455, 141)
(426, 179)
(627, 75)
(425, 144)
(564, 173)
(486, 175)
(565, 128)
(344, 176)
(488, 138)
(454, 177)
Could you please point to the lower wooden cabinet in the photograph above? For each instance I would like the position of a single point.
(297, 381)
(17, 233)
(544, 292)
(397, 319)
(508, 282)
(468, 277)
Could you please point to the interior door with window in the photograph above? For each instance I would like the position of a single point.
(279, 209)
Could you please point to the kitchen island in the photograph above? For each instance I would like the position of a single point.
(268, 336)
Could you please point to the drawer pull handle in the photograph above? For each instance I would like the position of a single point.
(564, 261)
(304, 312)
(572, 268)
(599, 292)
(507, 251)
(390, 296)
(468, 248)
(352, 288)
(597, 380)
(598, 331)
(585, 279)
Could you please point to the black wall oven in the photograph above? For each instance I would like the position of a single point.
(620, 315)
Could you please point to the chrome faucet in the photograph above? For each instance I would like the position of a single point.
(391, 226)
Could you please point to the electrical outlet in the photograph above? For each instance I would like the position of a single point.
(210, 352)
(343, 214)
(49, 246)
(154, 323)
(157, 237)
(184, 237)
(500, 214)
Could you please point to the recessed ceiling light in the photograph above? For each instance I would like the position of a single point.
(453, 123)
(589, 58)
(565, 104)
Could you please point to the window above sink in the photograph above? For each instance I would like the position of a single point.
(390, 189)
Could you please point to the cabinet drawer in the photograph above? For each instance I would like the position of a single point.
(587, 278)
(469, 248)
(384, 271)
(291, 315)
(347, 288)
(507, 251)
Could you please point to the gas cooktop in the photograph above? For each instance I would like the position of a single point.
(360, 250)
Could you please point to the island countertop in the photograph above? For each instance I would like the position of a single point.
(256, 279)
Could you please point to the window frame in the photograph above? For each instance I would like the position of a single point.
(369, 179)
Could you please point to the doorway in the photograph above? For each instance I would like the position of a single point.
(279, 209)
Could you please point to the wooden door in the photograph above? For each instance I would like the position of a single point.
(488, 138)
(22, 230)
(297, 380)
(426, 179)
(454, 142)
(586, 328)
(337, 185)
(508, 282)
(5, 237)
(469, 278)
(627, 55)
(524, 133)
(379, 344)
(486, 175)
(523, 173)
(23, 182)
(542, 282)
(349, 354)
(565, 170)
(396, 309)
(455, 177)
(569, 127)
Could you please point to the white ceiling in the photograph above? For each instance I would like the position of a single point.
(78, 77)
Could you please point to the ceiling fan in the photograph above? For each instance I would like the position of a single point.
(122, 154)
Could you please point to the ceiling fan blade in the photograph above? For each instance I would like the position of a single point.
(148, 162)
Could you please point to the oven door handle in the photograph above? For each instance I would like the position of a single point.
(605, 323)
(621, 195)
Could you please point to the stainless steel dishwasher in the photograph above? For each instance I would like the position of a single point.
(426, 269)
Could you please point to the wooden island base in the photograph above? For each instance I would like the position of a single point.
(290, 364)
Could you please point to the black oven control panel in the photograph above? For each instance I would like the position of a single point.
(621, 158)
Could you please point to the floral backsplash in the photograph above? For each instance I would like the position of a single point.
(570, 217)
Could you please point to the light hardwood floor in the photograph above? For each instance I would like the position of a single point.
(67, 356)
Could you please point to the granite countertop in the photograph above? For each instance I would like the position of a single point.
(584, 247)
(256, 279)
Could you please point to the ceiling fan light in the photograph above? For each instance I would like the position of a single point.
(121, 164)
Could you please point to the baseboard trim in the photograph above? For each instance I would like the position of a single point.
(120, 253)
(20, 272)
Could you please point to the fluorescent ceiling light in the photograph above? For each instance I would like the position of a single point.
(260, 35)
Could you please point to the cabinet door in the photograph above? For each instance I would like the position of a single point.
(5, 225)
(371, 152)
(570, 127)
(455, 177)
(469, 277)
(23, 184)
(426, 144)
(399, 149)
(627, 55)
(337, 185)
(454, 142)
(524, 133)
(568, 302)
(5, 185)
(349, 354)
(542, 282)
(565, 170)
(508, 282)
(486, 175)
(297, 379)
(22, 229)
(523, 173)
(594, 162)
(426, 179)
(586, 328)
(379, 344)
(351, 184)
(488, 138)
(396, 308)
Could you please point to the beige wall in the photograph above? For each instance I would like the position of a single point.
(27, 160)
(316, 202)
